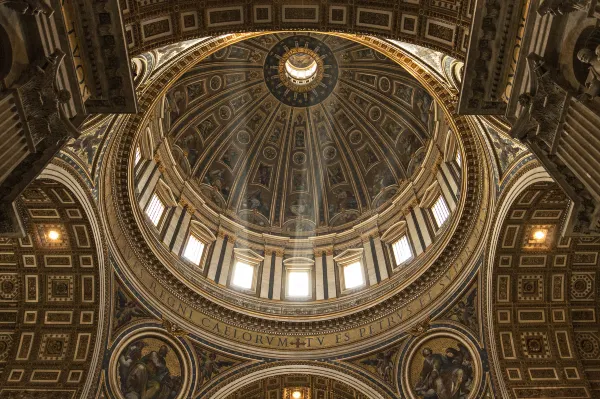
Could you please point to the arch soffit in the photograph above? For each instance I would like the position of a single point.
(60, 172)
(260, 373)
(530, 174)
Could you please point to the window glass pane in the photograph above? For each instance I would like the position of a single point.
(155, 209)
(193, 249)
(138, 155)
(243, 275)
(402, 251)
(440, 211)
(458, 159)
(298, 284)
(353, 276)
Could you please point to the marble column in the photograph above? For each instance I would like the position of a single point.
(331, 276)
(381, 265)
(226, 265)
(278, 275)
(449, 185)
(370, 266)
(418, 230)
(319, 283)
(181, 221)
(266, 274)
(216, 256)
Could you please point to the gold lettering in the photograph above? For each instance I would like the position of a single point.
(171, 301)
(80, 72)
(182, 309)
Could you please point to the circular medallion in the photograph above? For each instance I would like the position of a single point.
(301, 71)
(269, 153)
(215, 83)
(384, 84)
(355, 137)
(149, 362)
(225, 113)
(442, 365)
(581, 286)
(587, 345)
(299, 158)
(329, 153)
(375, 114)
(243, 137)
(8, 287)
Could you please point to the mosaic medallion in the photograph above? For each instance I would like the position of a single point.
(149, 367)
(442, 367)
(301, 71)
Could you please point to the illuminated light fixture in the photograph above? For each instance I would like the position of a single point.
(539, 235)
(296, 394)
(53, 235)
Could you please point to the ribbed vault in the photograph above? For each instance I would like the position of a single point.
(298, 171)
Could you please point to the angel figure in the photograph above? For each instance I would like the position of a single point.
(384, 363)
(592, 84)
(210, 366)
(447, 376)
(466, 311)
(559, 7)
(42, 102)
(126, 310)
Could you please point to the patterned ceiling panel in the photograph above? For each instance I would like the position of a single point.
(49, 298)
(437, 24)
(545, 306)
(303, 170)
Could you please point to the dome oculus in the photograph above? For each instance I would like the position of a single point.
(301, 71)
(301, 68)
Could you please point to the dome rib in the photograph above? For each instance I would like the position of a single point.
(298, 171)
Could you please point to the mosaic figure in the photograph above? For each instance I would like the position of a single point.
(383, 363)
(148, 369)
(126, 309)
(445, 376)
(210, 366)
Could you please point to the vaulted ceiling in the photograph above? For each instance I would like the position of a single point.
(545, 300)
(280, 165)
(50, 297)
